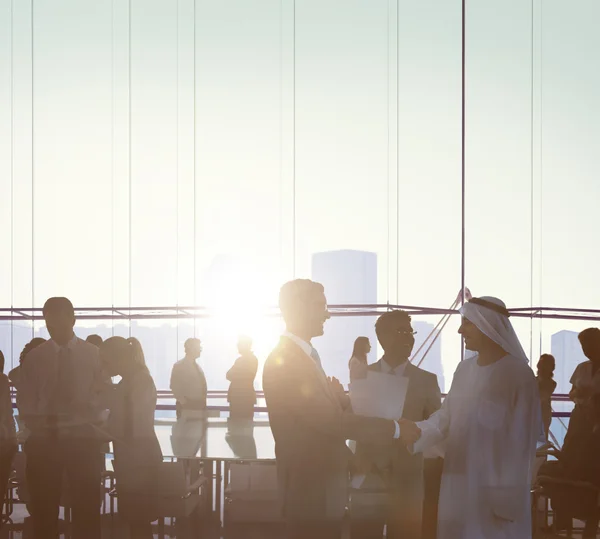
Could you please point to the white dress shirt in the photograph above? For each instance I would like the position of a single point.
(310, 351)
(41, 395)
(386, 368)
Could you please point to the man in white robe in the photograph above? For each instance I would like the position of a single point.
(490, 424)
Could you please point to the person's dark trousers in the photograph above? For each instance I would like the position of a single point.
(314, 530)
(49, 459)
(367, 529)
(7, 453)
(432, 479)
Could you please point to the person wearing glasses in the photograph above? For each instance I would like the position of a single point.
(392, 469)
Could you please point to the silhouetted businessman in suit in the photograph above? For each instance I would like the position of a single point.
(311, 420)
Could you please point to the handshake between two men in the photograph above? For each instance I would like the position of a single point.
(410, 433)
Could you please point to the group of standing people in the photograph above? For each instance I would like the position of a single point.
(487, 428)
(69, 409)
(189, 387)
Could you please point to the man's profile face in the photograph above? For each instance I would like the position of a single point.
(59, 324)
(316, 313)
(474, 339)
(194, 349)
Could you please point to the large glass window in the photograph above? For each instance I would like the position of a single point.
(199, 153)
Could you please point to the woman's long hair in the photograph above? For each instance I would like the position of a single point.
(359, 350)
(546, 363)
(126, 350)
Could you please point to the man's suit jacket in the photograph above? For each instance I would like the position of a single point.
(402, 472)
(310, 426)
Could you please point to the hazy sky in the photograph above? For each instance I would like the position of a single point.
(363, 112)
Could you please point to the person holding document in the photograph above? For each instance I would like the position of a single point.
(311, 421)
(392, 468)
(491, 423)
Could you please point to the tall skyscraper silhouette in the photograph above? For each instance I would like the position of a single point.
(433, 360)
(566, 349)
(349, 277)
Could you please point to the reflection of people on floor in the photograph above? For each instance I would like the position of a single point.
(359, 363)
(131, 428)
(58, 400)
(240, 438)
(546, 387)
(188, 382)
(8, 431)
(241, 395)
(187, 436)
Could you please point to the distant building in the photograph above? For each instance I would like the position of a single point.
(433, 360)
(349, 278)
(568, 354)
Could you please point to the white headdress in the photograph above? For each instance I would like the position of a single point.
(491, 317)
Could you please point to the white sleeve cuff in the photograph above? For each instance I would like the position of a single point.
(397, 433)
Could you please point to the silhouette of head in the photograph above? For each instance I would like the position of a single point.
(60, 319)
(362, 346)
(590, 344)
(193, 348)
(546, 366)
(120, 356)
(304, 308)
(2, 362)
(244, 345)
(96, 340)
(33, 343)
(395, 334)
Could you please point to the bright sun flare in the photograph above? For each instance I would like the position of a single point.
(241, 302)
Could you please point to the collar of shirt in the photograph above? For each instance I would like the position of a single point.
(386, 368)
(306, 347)
(70, 344)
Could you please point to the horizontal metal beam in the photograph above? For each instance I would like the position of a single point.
(337, 310)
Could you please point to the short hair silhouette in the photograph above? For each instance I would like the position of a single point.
(390, 321)
(96, 340)
(294, 294)
(58, 305)
(2, 362)
(190, 342)
(590, 336)
(245, 341)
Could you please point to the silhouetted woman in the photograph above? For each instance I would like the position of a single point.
(358, 363)
(131, 428)
(241, 395)
(546, 385)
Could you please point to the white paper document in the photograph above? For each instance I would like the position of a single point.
(379, 395)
